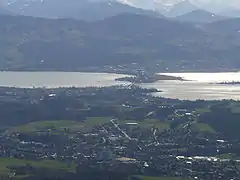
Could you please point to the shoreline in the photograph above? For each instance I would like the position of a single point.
(131, 77)
(116, 70)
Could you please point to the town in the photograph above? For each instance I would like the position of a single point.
(119, 132)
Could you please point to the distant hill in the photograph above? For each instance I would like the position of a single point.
(74, 9)
(29, 43)
(199, 16)
(135, 25)
(179, 9)
(231, 13)
(101, 10)
(4, 11)
(229, 27)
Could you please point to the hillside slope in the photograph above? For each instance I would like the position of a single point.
(36, 43)
(199, 16)
(74, 9)
(180, 8)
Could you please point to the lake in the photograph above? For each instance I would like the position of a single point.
(58, 79)
(199, 86)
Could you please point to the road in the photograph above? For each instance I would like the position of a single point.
(123, 132)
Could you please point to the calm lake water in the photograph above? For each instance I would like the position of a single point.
(199, 86)
(58, 79)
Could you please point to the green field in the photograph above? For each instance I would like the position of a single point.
(61, 125)
(203, 127)
(238, 167)
(148, 123)
(95, 121)
(50, 164)
(235, 107)
(44, 125)
(203, 110)
(161, 178)
(228, 156)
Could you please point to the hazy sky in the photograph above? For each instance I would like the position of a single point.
(151, 3)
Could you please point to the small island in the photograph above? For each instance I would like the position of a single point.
(230, 83)
(143, 77)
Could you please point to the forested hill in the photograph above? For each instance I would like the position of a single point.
(37, 43)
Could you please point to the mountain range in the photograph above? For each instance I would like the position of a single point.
(4, 11)
(89, 10)
(92, 10)
(178, 9)
(29, 43)
(216, 6)
(73, 34)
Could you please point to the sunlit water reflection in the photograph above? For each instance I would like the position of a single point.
(199, 86)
